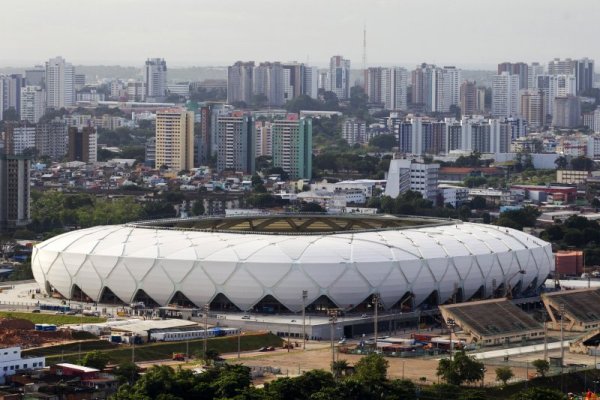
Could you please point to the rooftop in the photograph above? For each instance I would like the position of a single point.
(295, 223)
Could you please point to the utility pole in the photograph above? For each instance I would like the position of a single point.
(375, 301)
(562, 348)
(304, 296)
(333, 313)
(451, 324)
(206, 309)
(239, 341)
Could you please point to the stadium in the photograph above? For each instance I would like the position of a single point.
(265, 263)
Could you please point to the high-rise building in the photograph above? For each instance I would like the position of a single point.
(424, 86)
(264, 139)
(505, 95)
(533, 107)
(136, 90)
(292, 146)
(404, 175)
(373, 84)
(554, 86)
(561, 67)
(323, 80)
(205, 134)
(394, 88)
(83, 144)
(310, 81)
(155, 79)
(387, 86)
(33, 103)
(19, 136)
(14, 191)
(150, 152)
(481, 106)
(240, 78)
(468, 98)
(354, 131)
(339, 77)
(236, 140)
(10, 93)
(60, 85)
(450, 78)
(299, 79)
(454, 136)
(567, 112)
(52, 139)
(175, 139)
(269, 82)
(533, 70)
(584, 74)
(36, 76)
(519, 68)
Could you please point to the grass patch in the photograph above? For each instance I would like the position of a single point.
(153, 351)
(56, 319)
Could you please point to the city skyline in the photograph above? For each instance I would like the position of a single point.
(133, 34)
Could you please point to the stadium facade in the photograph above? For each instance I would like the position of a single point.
(249, 262)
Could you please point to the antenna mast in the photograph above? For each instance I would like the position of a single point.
(364, 60)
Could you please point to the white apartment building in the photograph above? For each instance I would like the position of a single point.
(11, 361)
(354, 131)
(60, 83)
(593, 147)
(450, 85)
(505, 95)
(155, 79)
(454, 195)
(404, 175)
(394, 88)
(553, 86)
(33, 103)
(339, 77)
(23, 138)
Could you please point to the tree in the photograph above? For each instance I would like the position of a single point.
(338, 368)
(582, 163)
(95, 359)
(541, 366)
(464, 212)
(517, 219)
(311, 207)
(371, 370)
(537, 393)
(561, 162)
(127, 372)
(462, 368)
(198, 207)
(384, 142)
(503, 374)
(478, 203)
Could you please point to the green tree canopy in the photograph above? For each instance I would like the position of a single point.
(95, 359)
(504, 374)
(462, 368)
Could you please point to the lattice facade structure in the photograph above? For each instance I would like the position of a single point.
(438, 260)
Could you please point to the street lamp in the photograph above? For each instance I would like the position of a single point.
(375, 302)
(304, 296)
(483, 371)
(333, 314)
(451, 324)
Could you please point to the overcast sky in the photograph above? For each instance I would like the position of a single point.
(466, 33)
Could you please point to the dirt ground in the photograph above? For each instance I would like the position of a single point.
(19, 332)
(318, 356)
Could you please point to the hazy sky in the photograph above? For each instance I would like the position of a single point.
(466, 33)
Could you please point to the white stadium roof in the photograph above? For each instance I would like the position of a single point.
(345, 266)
